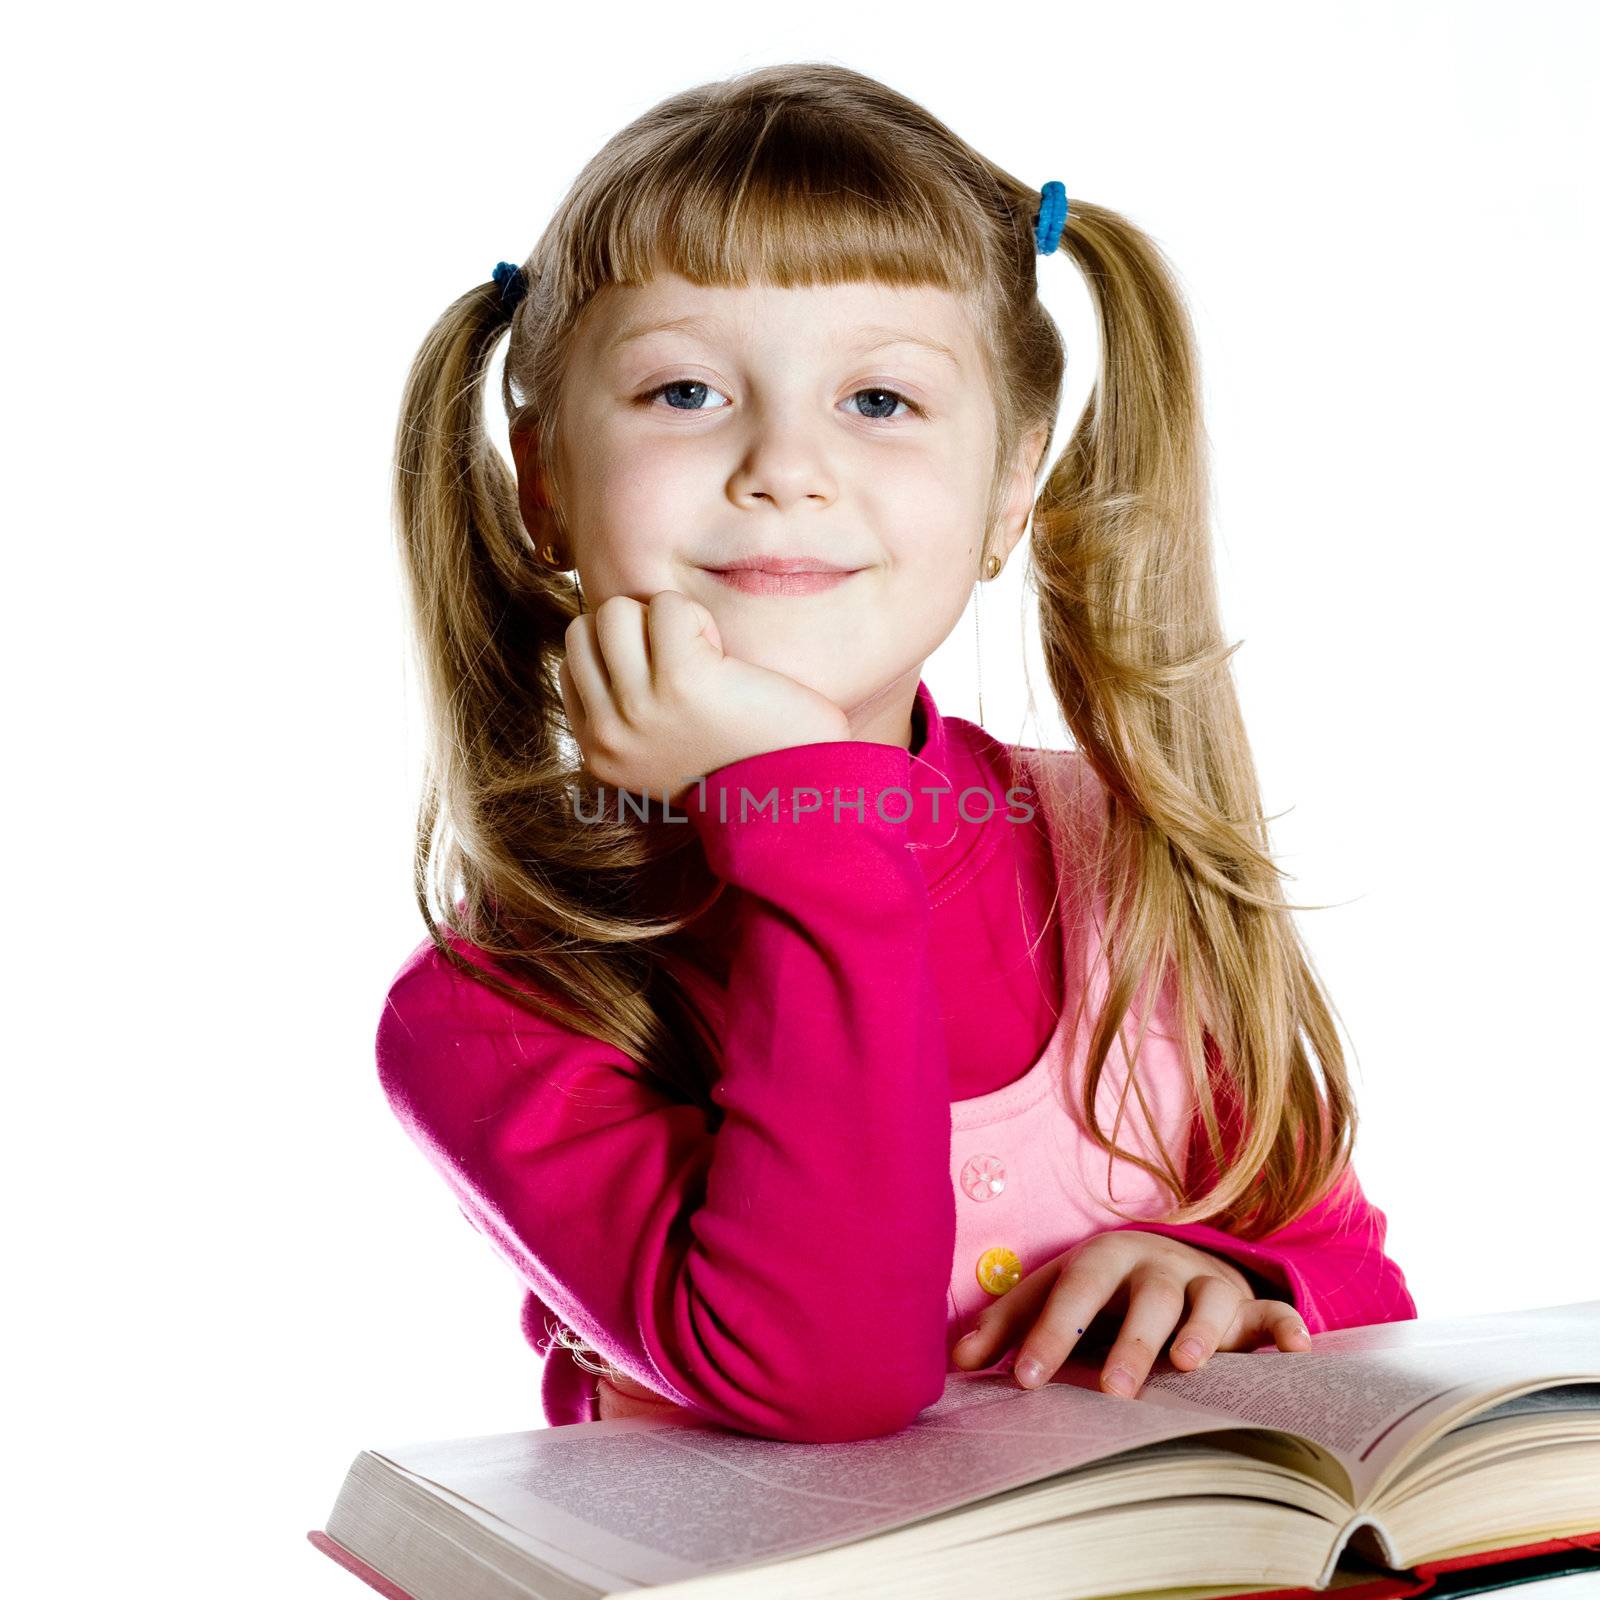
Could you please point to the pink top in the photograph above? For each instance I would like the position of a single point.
(893, 1108)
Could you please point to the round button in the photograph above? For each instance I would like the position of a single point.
(999, 1269)
(983, 1177)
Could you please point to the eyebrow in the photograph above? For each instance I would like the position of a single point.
(873, 338)
(881, 338)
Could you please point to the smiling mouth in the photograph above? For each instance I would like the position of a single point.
(767, 580)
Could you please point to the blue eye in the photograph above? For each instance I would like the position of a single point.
(895, 397)
(693, 390)
(681, 384)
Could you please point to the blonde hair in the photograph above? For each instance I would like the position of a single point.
(809, 173)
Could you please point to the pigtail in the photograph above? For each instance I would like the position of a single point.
(1133, 645)
(560, 911)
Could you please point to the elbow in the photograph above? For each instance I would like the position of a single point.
(823, 1402)
(843, 1423)
(809, 1416)
(811, 1373)
(1400, 1305)
(839, 1406)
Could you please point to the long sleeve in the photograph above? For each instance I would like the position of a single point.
(732, 1273)
(1330, 1262)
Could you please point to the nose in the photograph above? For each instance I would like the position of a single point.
(785, 465)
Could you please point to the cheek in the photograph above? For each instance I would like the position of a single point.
(932, 531)
(949, 593)
(631, 519)
(937, 492)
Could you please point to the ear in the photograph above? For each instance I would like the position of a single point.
(531, 493)
(1018, 503)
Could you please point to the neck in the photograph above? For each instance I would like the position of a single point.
(886, 716)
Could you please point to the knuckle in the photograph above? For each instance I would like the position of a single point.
(1093, 1256)
(1158, 1283)
(602, 757)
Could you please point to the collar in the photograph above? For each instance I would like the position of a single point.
(947, 760)
(950, 816)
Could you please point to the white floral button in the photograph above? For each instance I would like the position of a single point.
(983, 1177)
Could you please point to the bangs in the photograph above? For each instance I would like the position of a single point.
(775, 195)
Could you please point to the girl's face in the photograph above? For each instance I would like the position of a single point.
(850, 425)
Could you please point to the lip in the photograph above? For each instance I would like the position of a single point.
(803, 578)
(781, 564)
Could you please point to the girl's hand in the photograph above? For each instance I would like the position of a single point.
(655, 704)
(1152, 1279)
(620, 1396)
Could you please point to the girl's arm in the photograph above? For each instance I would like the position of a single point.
(729, 1273)
(1329, 1263)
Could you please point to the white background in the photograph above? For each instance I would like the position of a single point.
(231, 228)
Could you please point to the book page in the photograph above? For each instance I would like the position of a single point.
(1369, 1394)
(653, 1502)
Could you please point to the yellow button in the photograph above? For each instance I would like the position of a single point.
(999, 1269)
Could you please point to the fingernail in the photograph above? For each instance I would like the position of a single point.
(1191, 1350)
(1120, 1381)
(1029, 1371)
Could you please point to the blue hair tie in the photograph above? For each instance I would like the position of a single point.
(513, 282)
(1052, 217)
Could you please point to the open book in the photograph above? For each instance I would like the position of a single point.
(1366, 1464)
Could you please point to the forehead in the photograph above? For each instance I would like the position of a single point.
(846, 317)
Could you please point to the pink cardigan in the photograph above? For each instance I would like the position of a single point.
(789, 1275)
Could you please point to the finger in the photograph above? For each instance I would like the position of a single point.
(1155, 1303)
(619, 625)
(1213, 1313)
(1086, 1284)
(577, 716)
(587, 672)
(678, 628)
(1267, 1321)
(1283, 1324)
(997, 1325)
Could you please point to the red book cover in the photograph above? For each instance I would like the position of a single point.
(354, 1563)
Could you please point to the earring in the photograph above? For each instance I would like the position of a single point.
(551, 557)
(991, 569)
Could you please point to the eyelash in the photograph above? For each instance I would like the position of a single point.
(647, 399)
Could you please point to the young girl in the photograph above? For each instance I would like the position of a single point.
(775, 1027)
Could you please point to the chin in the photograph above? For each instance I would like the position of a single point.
(802, 661)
